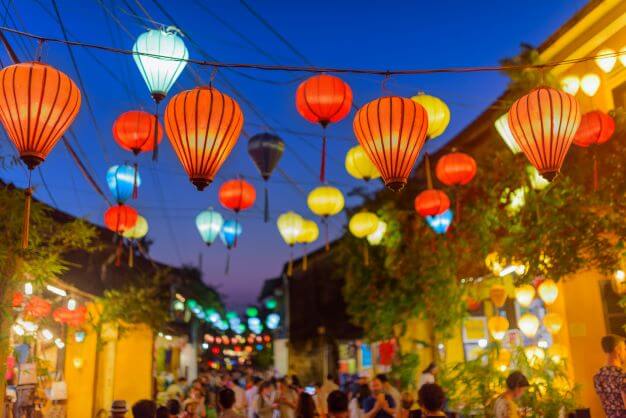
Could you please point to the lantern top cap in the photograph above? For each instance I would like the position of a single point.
(172, 30)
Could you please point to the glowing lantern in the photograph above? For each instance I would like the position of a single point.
(209, 224)
(497, 294)
(376, 237)
(309, 234)
(528, 324)
(589, 84)
(160, 55)
(557, 353)
(135, 131)
(392, 131)
(544, 123)
(498, 326)
(501, 363)
(502, 126)
(438, 114)
(120, 218)
(548, 291)
(553, 322)
(38, 103)
(123, 181)
(535, 355)
(431, 202)
(325, 201)
(359, 166)
(570, 84)
(323, 99)
(265, 149)
(237, 195)
(361, 225)
(455, 169)
(137, 232)
(37, 307)
(290, 226)
(525, 295)
(203, 126)
(606, 59)
(440, 223)
(596, 127)
(231, 230)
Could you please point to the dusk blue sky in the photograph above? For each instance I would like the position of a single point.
(362, 34)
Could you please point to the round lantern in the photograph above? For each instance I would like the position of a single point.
(237, 195)
(135, 131)
(231, 230)
(203, 126)
(553, 322)
(502, 126)
(548, 291)
(431, 202)
(525, 295)
(37, 307)
(440, 223)
(123, 181)
(498, 326)
(160, 55)
(309, 234)
(606, 59)
(323, 99)
(361, 225)
(392, 131)
(455, 169)
(438, 114)
(497, 294)
(120, 218)
(325, 201)
(18, 299)
(138, 231)
(265, 149)
(290, 226)
(590, 84)
(528, 324)
(544, 123)
(376, 237)
(359, 166)
(596, 127)
(209, 224)
(535, 355)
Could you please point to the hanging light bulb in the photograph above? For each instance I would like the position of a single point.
(570, 84)
(606, 59)
(590, 83)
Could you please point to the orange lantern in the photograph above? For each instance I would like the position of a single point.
(37, 105)
(135, 131)
(323, 99)
(73, 318)
(392, 131)
(37, 307)
(18, 299)
(237, 195)
(497, 294)
(455, 169)
(544, 123)
(431, 202)
(203, 126)
(498, 326)
(120, 218)
(596, 127)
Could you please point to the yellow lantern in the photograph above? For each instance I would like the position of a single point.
(622, 55)
(494, 263)
(290, 227)
(309, 234)
(438, 114)
(361, 225)
(553, 322)
(501, 363)
(138, 231)
(535, 355)
(606, 59)
(619, 282)
(497, 294)
(548, 291)
(557, 353)
(570, 84)
(376, 237)
(503, 128)
(589, 84)
(325, 201)
(528, 324)
(498, 326)
(525, 295)
(359, 165)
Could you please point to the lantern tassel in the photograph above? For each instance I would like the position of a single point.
(155, 149)
(135, 185)
(366, 254)
(327, 246)
(290, 265)
(323, 165)
(118, 253)
(131, 256)
(305, 261)
(227, 270)
(266, 210)
(26, 226)
(595, 172)
(429, 179)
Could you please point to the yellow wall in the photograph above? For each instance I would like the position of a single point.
(133, 366)
(79, 380)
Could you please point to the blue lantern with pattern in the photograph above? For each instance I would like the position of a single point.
(440, 223)
(231, 230)
(123, 181)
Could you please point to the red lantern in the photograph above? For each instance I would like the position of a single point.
(203, 126)
(120, 218)
(237, 195)
(455, 169)
(544, 123)
(18, 299)
(596, 127)
(431, 202)
(75, 318)
(323, 99)
(37, 307)
(392, 131)
(135, 131)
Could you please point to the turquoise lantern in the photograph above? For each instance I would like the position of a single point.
(231, 230)
(440, 223)
(123, 181)
(209, 224)
(160, 55)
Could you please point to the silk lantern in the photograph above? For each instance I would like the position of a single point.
(361, 225)
(497, 294)
(135, 131)
(438, 114)
(376, 237)
(230, 233)
(323, 99)
(524, 295)
(606, 59)
(325, 201)
(596, 127)
(123, 181)
(544, 123)
(119, 219)
(456, 169)
(37, 307)
(134, 234)
(502, 126)
(570, 84)
(548, 291)
(203, 126)
(290, 226)
(38, 103)
(309, 234)
(392, 131)
(498, 326)
(359, 166)
(237, 195)
(430, 202)
(590, 84)
(265, 149)
(440, 223)
(209, 224)
(553, 322)
(528, 324)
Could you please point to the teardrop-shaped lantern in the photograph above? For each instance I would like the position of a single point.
(502, 126)
(440, 223)
(138, 231)
(455, 169)
(544, 123)
(438, 114)
(120, 218)
(497, 294)
(498, 326)
(203, 126)
(359, 166)
(209, 224)
(309, 234)
(431, 202)
(265, 149)
(325, 201)
(361, 225)
(596, 127)
(548, 291)
(323, 99)
(528, 324)
(135, 131)
(237, 195)
(160, 55)
(525, 294)
(231, 230)
(122, 180)
(392, 131)
(606, 59)
(290, 226)
(376, 237)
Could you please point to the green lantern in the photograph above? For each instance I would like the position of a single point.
(252, 312)
(271, 303)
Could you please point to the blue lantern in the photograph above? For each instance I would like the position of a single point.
(123, 181)
(209, 224)
(231, 230)
(440, 223)
(272, 321)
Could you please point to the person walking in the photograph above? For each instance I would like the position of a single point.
(379, 404)
(306, 406)
(226, 401)
(265, 404)
(287, 399)
(337, 404)
(610, 381)
(431, 399)
(505, 406)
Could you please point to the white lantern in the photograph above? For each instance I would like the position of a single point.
(502, 126)
(606, 59)
(590, 83)
(528, 324)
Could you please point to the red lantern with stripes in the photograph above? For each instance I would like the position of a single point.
(455, 169)
(237, 195)
(596, 127)
(120, 218)
(431, 202)
(135, 131)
